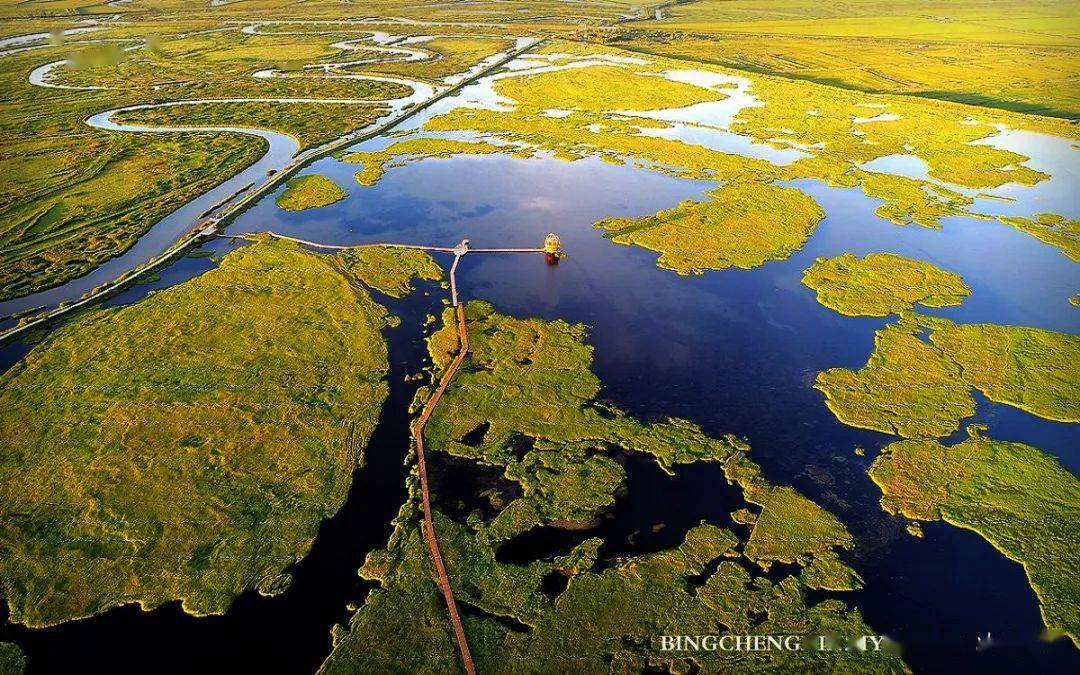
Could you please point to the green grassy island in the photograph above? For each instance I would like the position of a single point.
(916, 387)
(186, 446)
(1015, 496)
(309, 192)
(881, 284)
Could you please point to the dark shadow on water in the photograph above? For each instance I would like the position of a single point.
(653, 512)
(460, 487)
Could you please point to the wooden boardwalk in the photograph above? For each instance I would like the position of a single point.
(428, 523)
(428, 527)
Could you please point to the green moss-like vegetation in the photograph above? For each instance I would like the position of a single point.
(1029, 368)
(187, 446)
(1015, 496)
(526, 402)
(836, 127)
(933, 131)
(790, 527)
(72, 196)
(597, 134)
(410, 150)
(906, 388)
(604, 88)
(746, 225)
(309, 192)
(997, 70)
(1058, 231)
(919, 388)
(532, 377)
(523, 401)
(451, 54)
(603, 619)
(387, 269)
(311, 124)
(826, 572)
(406, 614)
(12, 660)
(881, 284)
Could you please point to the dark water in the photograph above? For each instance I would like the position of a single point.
(737, 351)
(734, 351)
(635, 525)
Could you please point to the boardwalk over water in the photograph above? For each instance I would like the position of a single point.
(428, 524)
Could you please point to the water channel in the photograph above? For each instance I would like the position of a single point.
(733, 351)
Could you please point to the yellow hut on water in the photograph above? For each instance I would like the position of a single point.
(552, 248)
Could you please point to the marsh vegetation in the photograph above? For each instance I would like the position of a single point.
(189, 443)
(188, 446)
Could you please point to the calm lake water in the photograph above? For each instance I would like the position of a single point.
(734, 351)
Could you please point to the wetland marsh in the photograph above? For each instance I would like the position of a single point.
(789, 310)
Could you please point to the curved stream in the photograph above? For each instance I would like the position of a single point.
(732, 351)
(281, 148)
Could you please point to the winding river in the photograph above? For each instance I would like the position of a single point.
(733, 351)
(281, 148)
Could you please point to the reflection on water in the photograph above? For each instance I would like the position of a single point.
(1055, 156)
(737, 351)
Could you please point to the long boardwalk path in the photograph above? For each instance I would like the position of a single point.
(428, 524)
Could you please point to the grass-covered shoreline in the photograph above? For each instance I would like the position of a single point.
(187, 446)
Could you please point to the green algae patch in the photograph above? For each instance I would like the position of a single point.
(881, 284)
(411, 150)
(906, 388)
(920, 388)
(603, 617)
(186, 446)
(1058, 231)
(1029, 368)
(388, 269)
(745, 225)
(1015, 496)
(309, 192)
(790, 527)
(12, 659)
(603, 88)
(524, 401)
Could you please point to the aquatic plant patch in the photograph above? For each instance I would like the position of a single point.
(917, 382)
(880, 284)
(1013, 495)
(309, 192)
(745, 225)
(186, 447)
